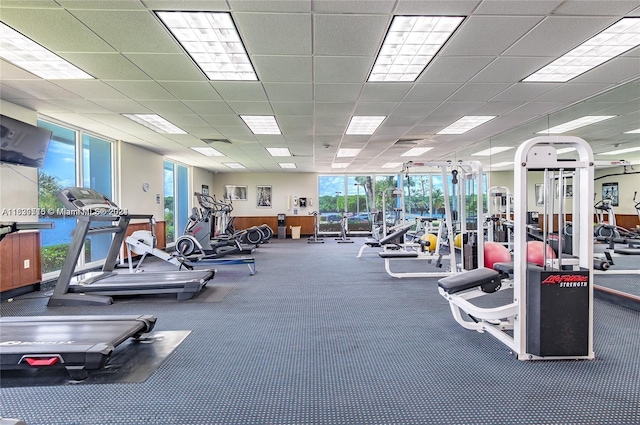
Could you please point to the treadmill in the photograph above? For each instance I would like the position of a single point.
(96, 214)
(77, 343)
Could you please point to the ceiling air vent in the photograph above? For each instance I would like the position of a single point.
(406, 142)
(211, 141)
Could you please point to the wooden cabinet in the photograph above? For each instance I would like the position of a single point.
(304, 221)
(20, 260)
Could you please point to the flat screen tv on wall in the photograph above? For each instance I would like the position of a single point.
(22, 143)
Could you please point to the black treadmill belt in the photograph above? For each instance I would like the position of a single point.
(75, 342)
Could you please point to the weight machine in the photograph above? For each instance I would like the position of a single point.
(550, 316)
(461, 173)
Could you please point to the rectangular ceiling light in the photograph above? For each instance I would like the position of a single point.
(501, 164)
(364, 124)
(613, 41)
(279, 151)
(212, 40)
(621, 151)
(207, 151)
(343, 153)
(155, 123)
(492, 151)
(32, 57)
(392, 165)
(340, 165)
(261, 124)
(410, 44)
(632, 131)
(417, 151)
(465, 124)
(577, 123)
(233, 165)
(287, 164)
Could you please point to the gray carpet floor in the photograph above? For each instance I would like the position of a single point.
(318, 336)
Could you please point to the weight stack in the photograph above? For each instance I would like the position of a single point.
(470, 256)
(558, 312)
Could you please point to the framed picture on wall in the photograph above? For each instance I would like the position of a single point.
(539, 194)
(263, 197)
(235, 193)
(610, 191)
(205, 189)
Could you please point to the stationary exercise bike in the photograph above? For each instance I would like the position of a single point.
(316, 228)
(343, 231)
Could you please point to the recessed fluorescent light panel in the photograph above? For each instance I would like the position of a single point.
(261, 124)
(621, 151)
(233, 165)
(410, 44)
(465, 124)
(340, 165)
(417, 151)
(392, 165)
(614, 41)
(500, 164)
(212, 40)
(208, 151)
(279, 151)
(632, 131)
(492, 151)
(577, 123)
(32, 57)
(287, 164)
(343, 153)
(364, 124)
(155, 123)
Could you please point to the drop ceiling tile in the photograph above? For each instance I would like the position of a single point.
(223, 120)
(270, 6)
(141, 90)
(334, 109)
(185, 120)
(436, 7)
(42, 89)
(209, 107)
(364, 33)
(496, 108)
(289, 92)
(572, 92)
(90, 89)
(374, 92)
(345, 69)
(337, 92)
(431, 92)
(80, 106)
(556, 35)
(525, 92)
(130, 31)
(375, 108)
(292, 108)
(123, 106)
(170, 67)
(453, 69)
(353, 6)
(39, 24)
(283, 68)
(106, 66)
(275, 33)
(416, 108)
(473, 92)
(191, 90)
(510, 69)
(251, 108)
(240, 90)
(517, 7)
(162, 107)
(488, 35)
(211, 5)
(612, 72)
(595, 7)
(12, 94)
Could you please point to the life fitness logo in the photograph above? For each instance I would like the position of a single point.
(567, 281)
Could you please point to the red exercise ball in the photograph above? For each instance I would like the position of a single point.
(495, 252)
(535, 253)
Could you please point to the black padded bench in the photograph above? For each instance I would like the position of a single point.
(505, 267)
(390, 238)
(398, 254)
(483, 277)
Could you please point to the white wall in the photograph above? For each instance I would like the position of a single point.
(627, 185)
(138, 166)
(283, 185)
(18, 184)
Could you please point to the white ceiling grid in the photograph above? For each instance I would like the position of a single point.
(312, 58)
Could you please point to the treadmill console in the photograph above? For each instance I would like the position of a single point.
(85, 199)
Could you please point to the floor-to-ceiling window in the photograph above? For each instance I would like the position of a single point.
(74, 158)
(176, 199)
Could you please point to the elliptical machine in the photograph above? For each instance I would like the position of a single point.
(316, 228)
